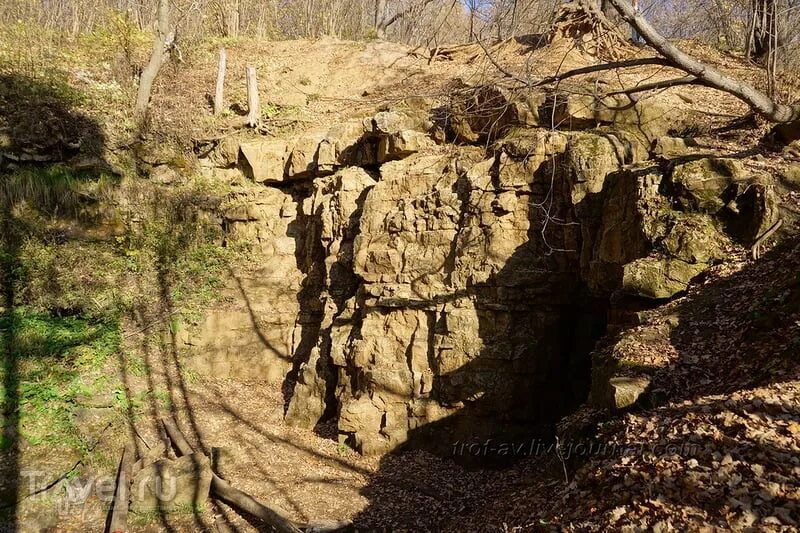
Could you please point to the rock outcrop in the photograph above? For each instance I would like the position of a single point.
(426, 294)
(259, 331)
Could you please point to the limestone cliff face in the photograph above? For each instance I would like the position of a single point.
(428, 293)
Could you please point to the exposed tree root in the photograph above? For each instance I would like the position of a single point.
(234, 497)
(581, 22)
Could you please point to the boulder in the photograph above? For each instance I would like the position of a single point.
(626, 390)
(351, 145)
(226, 153)
(342, 147)
(402, 144)
(392, 121)
(700, 183)
(658, 277)
(694, 239)
(264, 161)
(746, 203)
(751, 209)
(169, 485)
(690, 245)
(303, 158)
(670, 147)
(648, 118)
(590, 159)
(308, 402)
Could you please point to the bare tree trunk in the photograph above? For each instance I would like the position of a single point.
(253, 105)
(751, 34)
(219, 91)
(161, 45)
(382, 23)
(380, 18)
(707, 74)
(763, 13)
(310, 18)
(772, 51)
(235, 22)
(471, 21)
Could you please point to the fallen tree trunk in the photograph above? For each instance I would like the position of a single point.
(234, 497)
(119, 511)
(707, 74)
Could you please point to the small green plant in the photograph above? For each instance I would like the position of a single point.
(136, 365)
(270, 110)
(163, 398)
(190, 375)
(344, 449)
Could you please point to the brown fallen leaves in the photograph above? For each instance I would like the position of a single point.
(717, 444)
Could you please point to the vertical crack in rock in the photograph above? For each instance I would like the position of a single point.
(333, 212)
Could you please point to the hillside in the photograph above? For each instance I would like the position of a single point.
(419, 296)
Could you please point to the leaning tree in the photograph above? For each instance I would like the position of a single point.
(786, 117)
